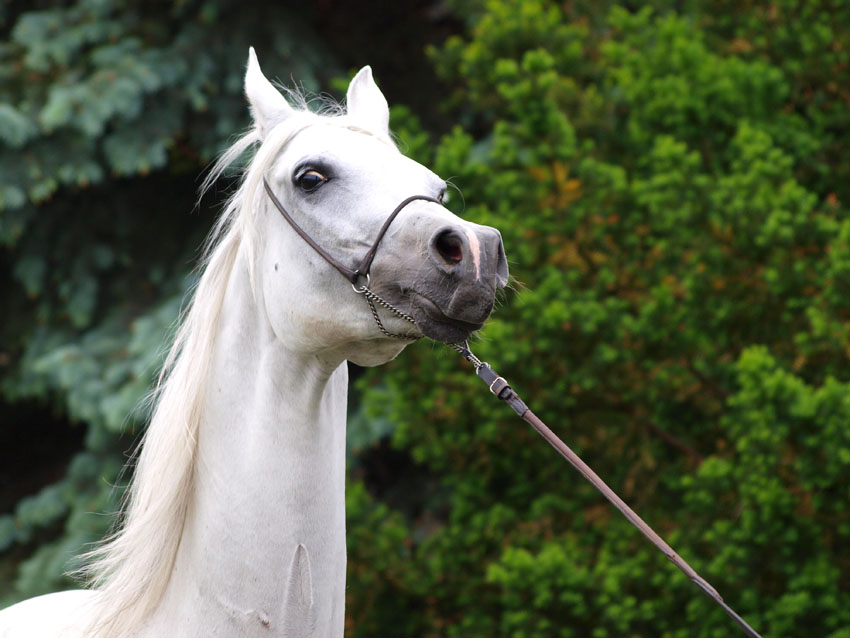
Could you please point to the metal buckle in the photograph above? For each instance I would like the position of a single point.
(503, 385)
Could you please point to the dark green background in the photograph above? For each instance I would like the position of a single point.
(671, 180)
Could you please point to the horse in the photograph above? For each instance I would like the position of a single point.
(234, 524)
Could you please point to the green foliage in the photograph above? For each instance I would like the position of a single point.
(674, 213)
(672, 189)
(108, 113)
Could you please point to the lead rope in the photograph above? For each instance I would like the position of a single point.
(500, 388)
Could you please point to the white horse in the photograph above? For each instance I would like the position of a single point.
(235, 523)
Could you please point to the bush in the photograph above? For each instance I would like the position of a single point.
(671, 184)
(673, 210)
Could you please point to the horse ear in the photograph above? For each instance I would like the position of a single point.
(366, 104)
(268, 106)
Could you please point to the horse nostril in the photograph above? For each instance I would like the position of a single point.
(449, 246)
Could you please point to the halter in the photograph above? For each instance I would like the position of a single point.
(366, 263)
(502, 390)
(362, 270)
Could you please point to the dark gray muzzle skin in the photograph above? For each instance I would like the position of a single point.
(448, 288)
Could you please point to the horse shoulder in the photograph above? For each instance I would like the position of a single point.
(59, 615)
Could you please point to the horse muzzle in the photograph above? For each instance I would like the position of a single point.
(455, 293)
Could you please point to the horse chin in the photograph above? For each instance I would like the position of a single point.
(436, 325)
(376, 352)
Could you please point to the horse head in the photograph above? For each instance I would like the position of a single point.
(339, 177)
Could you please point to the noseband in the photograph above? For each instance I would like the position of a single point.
(362, 270)
(365, 264)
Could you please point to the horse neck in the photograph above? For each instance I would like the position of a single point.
(263, 545)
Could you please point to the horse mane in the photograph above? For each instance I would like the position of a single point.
(132, 566)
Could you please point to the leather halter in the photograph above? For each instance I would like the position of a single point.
(361, 270)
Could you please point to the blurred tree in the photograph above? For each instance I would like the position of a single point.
(673, 206)
(671, 186)
(108, 113)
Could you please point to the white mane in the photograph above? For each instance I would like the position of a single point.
(132, 567)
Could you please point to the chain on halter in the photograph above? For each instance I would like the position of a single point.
(365, 264)
(466, 353)
(371, 298)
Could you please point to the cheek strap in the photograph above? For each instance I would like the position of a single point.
(362, 269)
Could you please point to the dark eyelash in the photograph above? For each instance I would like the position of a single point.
(318, 165)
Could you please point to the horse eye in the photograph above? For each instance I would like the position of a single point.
(311, 180)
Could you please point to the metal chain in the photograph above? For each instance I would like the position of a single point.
(371, 298)
(466, 353)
